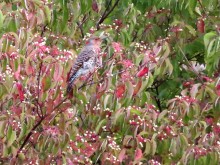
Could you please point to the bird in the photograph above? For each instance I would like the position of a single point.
(86, 61)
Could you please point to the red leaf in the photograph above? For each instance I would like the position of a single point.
(20, 91)
(201, 25)
(17, 110)
(137, 87)
(218, 89)
(120, 90)
(143, 71)
(55, 51)
(95, 6)
(138, 154)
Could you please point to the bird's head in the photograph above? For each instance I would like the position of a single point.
(95, 40)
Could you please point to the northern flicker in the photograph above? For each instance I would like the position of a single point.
(86, 61)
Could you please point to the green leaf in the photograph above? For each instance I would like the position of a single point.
(192, 5)
(162, 115)
(47, 12)
(147, 150)
(2, 128)
(3, 90)
(21, 156)
(2, 17)
(23, 131)
(46, 83)
(153, 147)
(11, 136)
(209, 36)
(191, 30)
(100, 125)
(135, 111)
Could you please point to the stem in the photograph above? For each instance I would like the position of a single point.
(38, 91)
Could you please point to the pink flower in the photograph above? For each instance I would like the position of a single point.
(117, 47)
(142, 72)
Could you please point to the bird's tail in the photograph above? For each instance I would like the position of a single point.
(70, 83)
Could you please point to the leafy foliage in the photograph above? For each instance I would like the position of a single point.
(154, 101)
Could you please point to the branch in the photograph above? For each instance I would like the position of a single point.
(38, 91)
(86, 84)
(106, 14)
(81, 29)
(35, 126)
(157, 99)
(81, 24)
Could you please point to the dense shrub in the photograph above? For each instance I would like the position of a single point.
(154, 101)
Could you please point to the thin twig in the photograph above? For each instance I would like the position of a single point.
(80, 25)
(81, 29)
(35, 126)
(157, 99)
(105, 14)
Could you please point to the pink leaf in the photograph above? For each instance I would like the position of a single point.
(142, 72)
(58, 72)
(125, 76)
(127, 63)
(122, 155)
(20, 91)
(120, 90)
(17, 73)
(28, 67)
(138, 154)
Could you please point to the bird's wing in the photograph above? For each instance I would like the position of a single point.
(84, 56)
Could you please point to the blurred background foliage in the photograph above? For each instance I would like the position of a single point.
(154, 101)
